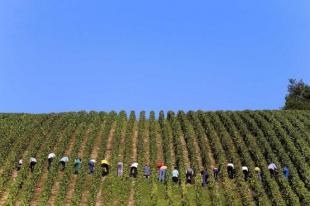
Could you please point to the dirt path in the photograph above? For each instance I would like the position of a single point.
(93, 155)
(108, 152)
(197, 152)
(122, 146)
(56, 185)
(146, 144)
(96, 147)
(73, 179)
(42, 179)
(47, 134)
(131, 200)
(184, 148)
(14, 173)
(159, 144)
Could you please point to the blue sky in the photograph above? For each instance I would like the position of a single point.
(151, 55)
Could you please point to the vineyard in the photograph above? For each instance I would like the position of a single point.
(200, 139)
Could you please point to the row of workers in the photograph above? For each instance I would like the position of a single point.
(147, 171)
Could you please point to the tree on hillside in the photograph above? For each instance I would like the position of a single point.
(298, 95)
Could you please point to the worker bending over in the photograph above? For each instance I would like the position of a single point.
(50, 159)
(245, 171)
(105, 167)
(272, 169)
(120, 169)
(19, 165)
(146, 171)
(134, 170)
(77, 165)
(63, 161)
(189, 174)
(259, 173)
(91, 166)
(205, 176)
(285, 172)
(216, 172)
(230, 170)
(162, 173)
(175, 175)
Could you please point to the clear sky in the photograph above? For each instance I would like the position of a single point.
(70, 55)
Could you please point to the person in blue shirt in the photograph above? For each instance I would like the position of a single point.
(77, 165)
(91, 166)
(286, 172)
(205, 176)
(146, 171)
(175, 175)
(162, 173)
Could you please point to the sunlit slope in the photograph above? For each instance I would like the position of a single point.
(197, 139)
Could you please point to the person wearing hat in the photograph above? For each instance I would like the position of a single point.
(259, 173)
(91, 166)
(162, 173)
(272, 169)
(50, 159)
(105, 167)
(63, 161)
(230, 170)
(189, 174)
(245, 171)
(134, 170)
(33, 162)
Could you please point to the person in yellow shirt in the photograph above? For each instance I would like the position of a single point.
(259, 173)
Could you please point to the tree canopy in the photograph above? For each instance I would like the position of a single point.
(298, 96)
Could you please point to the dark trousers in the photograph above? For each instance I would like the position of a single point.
(133, 172)
(175, 179)
(246, 175)
(272, 172)
(230, 172)
(91, 169)
(204, 181)
(19, 166)
(105, 169)
(50, 160)
(32, 164)
(189, 178)
(216, 174)
(63, 164)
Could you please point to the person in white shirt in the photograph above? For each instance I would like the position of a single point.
(272, 169)
(230, 170)
(63, 162)
(134, 170)
(33, 162)
(245, 171)
(50, 159)
(175, 175)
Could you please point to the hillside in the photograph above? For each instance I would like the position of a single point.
(200, 139)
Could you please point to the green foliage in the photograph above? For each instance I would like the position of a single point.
(298, 95)
(202, 139)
